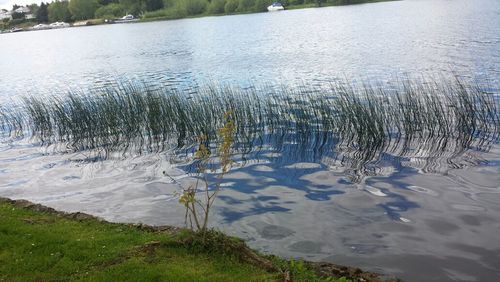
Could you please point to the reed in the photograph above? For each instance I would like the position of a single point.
(353, 125)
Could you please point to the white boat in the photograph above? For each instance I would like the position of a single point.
(59, 25)
(40, 27)
(16, 29)
(82, 23)
(126, 19)
(276, 6)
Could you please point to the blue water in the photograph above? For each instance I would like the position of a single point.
(371, 42)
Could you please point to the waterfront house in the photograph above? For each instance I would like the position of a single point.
(22, 10)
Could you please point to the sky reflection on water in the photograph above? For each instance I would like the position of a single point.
(395, 213)
(374, 42)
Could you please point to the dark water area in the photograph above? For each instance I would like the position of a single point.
(424, 211)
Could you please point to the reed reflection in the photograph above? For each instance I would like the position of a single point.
(428, 124)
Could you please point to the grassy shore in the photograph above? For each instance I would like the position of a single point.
(40, 244)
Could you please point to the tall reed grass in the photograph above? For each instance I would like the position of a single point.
(342, 123)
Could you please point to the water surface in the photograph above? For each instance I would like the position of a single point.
(406, 220)
(313, 46)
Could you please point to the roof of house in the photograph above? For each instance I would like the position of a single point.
(22, 10)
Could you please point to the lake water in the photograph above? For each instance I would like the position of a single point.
(408, 221)
(313, 46)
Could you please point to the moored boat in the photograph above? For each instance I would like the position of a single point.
(276, 6)
(126, 19)
(16, 29)
(82, 23)
(59, 25)
(40, 27)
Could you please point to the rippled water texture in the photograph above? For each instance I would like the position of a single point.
(406, 220)
(373, 41)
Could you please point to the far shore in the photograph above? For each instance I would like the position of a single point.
(27, 26)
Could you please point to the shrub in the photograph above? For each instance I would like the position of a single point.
(14, 22)
(18, 16)
(198, 219)
(112, 10)
(58, 11)
(83, 9)
(231, 6)
(217, 7)
(246, 5)
(168, 3)
(176, 11)
(261, 5)
(153, 5)
(195, 7)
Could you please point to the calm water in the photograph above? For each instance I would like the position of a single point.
(408, 221)
(313, 46)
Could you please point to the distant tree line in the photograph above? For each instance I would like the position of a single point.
(75, 10)
(183, 8)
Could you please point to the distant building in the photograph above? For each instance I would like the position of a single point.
(24, 10)
(4, 14)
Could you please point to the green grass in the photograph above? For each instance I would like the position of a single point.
(44, 246)
(38, 246)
